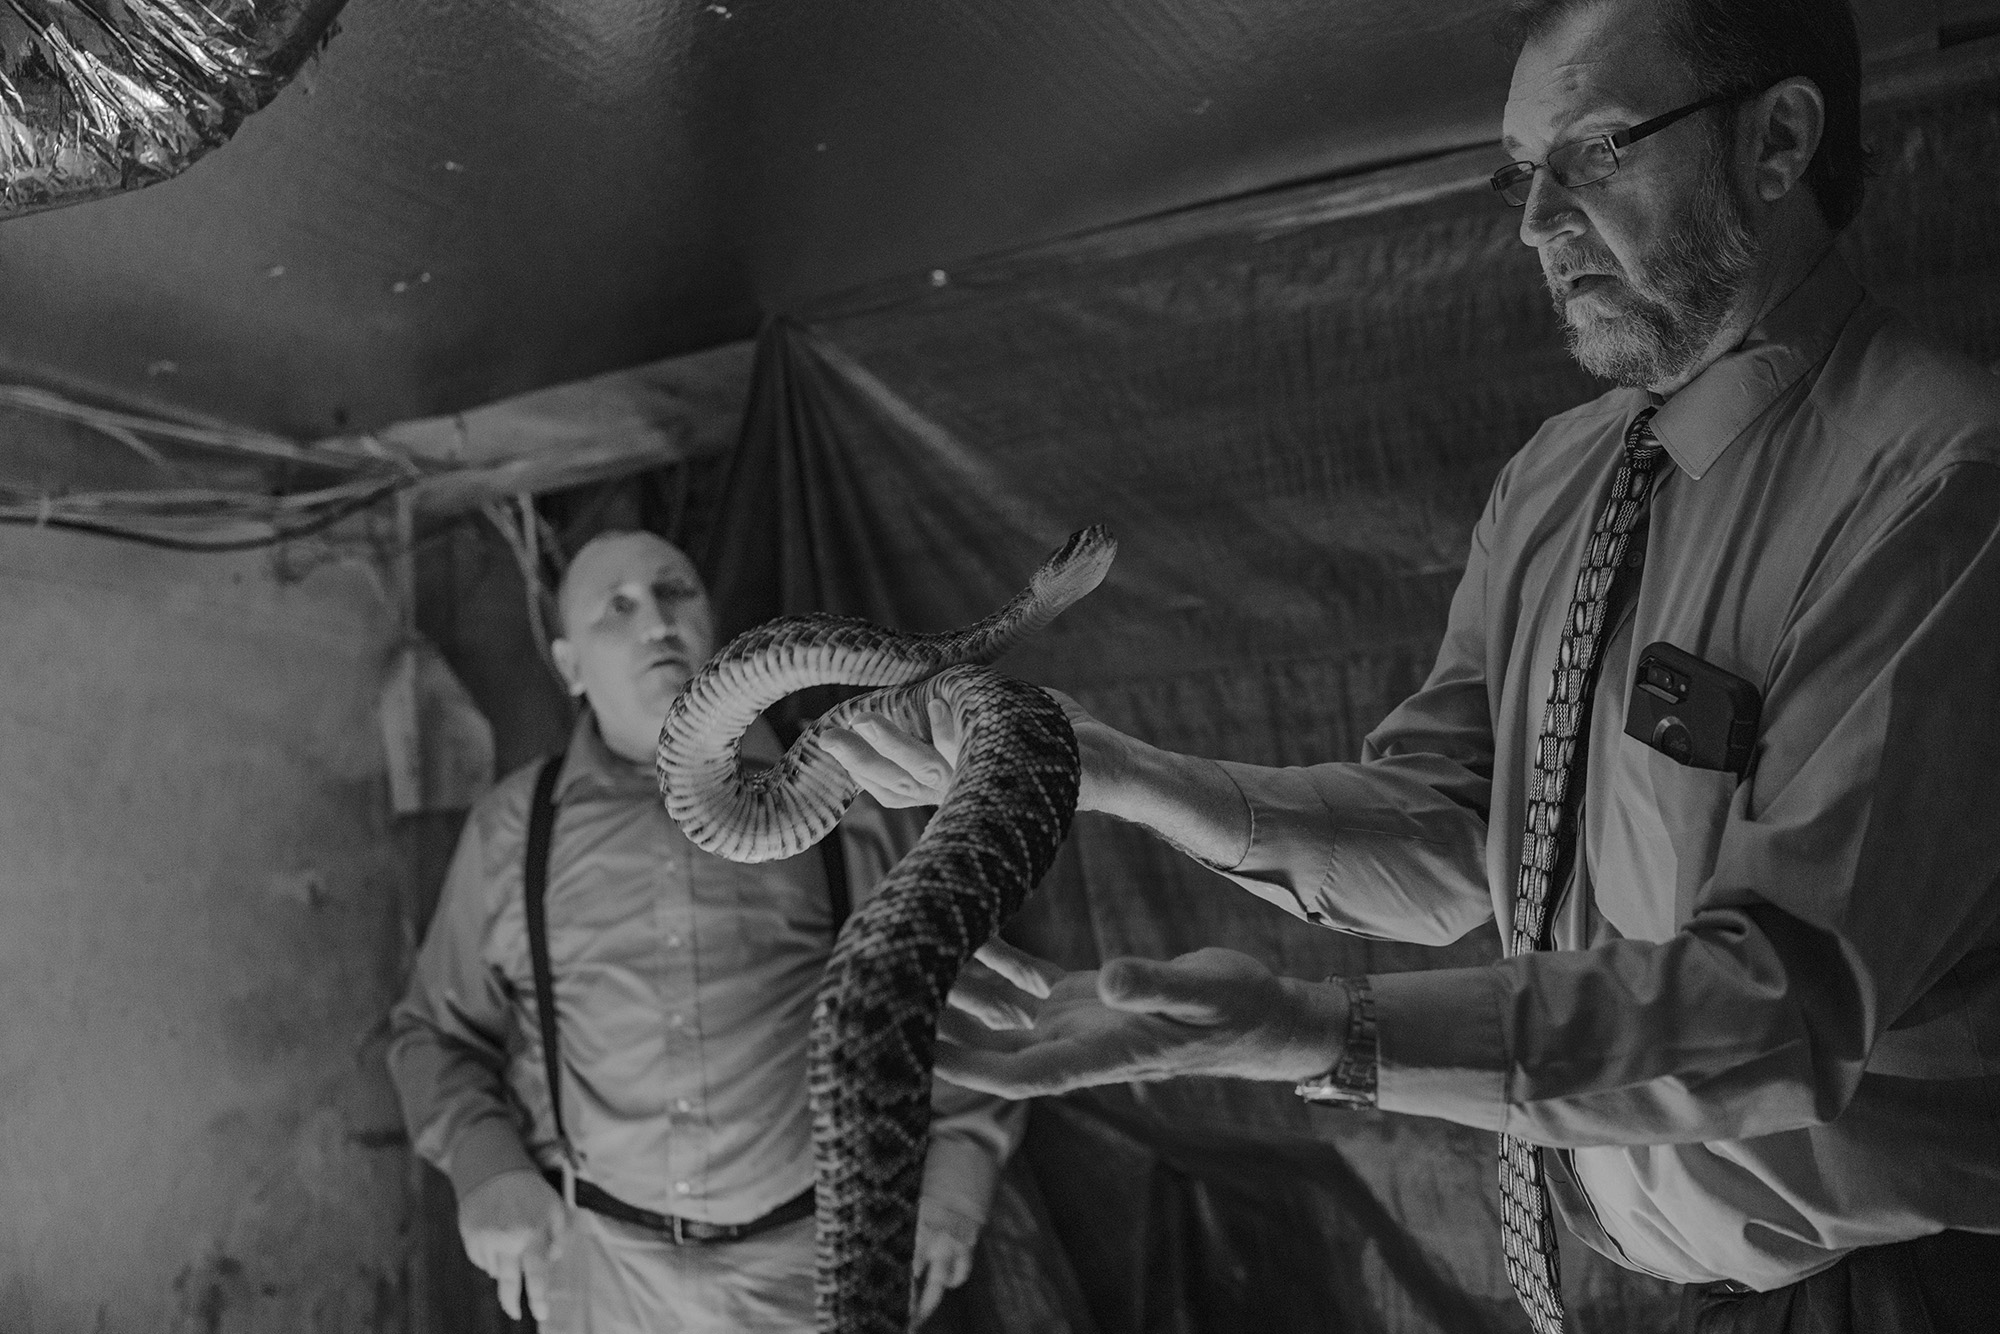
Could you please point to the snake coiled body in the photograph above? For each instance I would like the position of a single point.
(994, 837)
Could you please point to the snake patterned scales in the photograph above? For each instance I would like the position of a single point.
(993, 838)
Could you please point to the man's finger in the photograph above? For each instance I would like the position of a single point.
(990, 998)
(535, 1277)
(931, 1293)
(919, 1274)
(1032, 975)
(887, 782)
(959, 1029)
(944, 731)
(1031, 1072)
(918, 758)
(507, 1273)
(558, 1233)
(1165, 989)
(1072, 710)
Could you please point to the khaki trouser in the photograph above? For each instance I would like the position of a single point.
(613, 1278)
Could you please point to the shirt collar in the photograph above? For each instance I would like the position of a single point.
(595, 766)
(1702, 419)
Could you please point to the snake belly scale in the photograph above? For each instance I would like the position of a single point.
(1008, 809)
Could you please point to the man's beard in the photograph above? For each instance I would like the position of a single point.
(1666, 314)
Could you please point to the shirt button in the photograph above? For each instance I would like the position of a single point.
(680, 1188)
(673, 940)
(683, 1105)
(676, 1021)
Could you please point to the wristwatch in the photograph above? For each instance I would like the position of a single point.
(1351, 1082)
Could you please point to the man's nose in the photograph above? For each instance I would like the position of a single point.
(654, 623)
(1551, 211)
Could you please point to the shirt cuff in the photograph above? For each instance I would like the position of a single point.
(484, 1150)
(1442, 1049)
(959, 1177)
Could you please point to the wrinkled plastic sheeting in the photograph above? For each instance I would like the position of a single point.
(102, 96)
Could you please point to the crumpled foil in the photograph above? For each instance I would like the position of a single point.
(102, 96)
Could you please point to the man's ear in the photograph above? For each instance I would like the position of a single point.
(564, 653)
(1788, 120)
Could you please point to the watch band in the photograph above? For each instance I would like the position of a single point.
(1352, 1081)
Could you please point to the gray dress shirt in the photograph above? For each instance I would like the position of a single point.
(684, 986)
(1770, 1031)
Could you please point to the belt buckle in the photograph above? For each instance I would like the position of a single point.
(678, 1230)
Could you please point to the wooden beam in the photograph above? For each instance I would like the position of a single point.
(608, 426)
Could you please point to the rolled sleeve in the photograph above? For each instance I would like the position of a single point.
(1288, 855)
(1392, 847)
(1381, 850)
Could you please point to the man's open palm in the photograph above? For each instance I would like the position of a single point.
(1212, 1012)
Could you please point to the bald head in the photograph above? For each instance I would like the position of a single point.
(607, 555)
(636, 625)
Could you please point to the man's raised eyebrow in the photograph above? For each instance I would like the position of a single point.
(1604, 120)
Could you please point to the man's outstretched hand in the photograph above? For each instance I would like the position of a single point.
(1212, 1012)
(1188, 801)
(900, 769)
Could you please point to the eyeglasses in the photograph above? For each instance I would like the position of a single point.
(1588, 161)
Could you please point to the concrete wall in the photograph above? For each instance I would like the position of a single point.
(202, 924)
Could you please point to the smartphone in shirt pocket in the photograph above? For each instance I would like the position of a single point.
(1690, 728)
(1693, 712)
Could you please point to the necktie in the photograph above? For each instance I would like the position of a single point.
(1528, 1232)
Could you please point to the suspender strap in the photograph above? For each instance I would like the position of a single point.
(834, 858)
(535, 892)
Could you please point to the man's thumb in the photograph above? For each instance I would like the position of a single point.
(1151, 987)
(558, 1234)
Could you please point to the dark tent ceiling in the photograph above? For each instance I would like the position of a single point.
(459, 202)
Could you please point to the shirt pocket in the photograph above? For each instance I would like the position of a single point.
(1657, 838)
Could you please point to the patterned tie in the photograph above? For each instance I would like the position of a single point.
(1528, 1231)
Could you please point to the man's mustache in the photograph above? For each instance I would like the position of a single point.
(1560, 266)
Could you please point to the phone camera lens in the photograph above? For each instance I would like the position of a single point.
(1671, 736)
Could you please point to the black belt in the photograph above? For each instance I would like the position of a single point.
(684, 1231)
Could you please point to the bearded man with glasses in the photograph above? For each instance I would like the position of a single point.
(1713, 736)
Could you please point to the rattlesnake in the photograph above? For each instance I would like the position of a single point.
(1007, 811)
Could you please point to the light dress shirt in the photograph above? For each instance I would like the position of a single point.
(684, 985)
(1770, 1029)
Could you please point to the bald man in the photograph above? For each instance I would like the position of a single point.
(683, 985)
